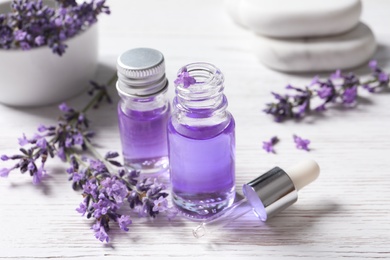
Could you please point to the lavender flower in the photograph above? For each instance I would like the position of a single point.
(146, 192)
(301, 143)
(160, 205)
(105, 193)
(115, 189)
(350, 95)
(100, 231)
(67, 137)
(39, 174)
(106, 185)
(4, 172)
(379, 75)
(124, 222)
(184, 78)
(268, 146)
(82, 209)
(32, 24)
(339, 88)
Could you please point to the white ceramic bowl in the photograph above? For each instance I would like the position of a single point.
(39, 77)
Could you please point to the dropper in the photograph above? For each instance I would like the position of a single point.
(265, 196)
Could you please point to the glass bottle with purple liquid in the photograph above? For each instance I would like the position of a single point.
(201, 139)
(143, 110)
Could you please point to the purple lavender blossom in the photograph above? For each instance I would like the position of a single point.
(300, 143)
(78, 139)
(325, 91)
(339, 88)
(184, 78)
(77, 176)
(281, 109)
(161, 204)
(31, 23)
(4, 172)
(268, 146)
(383, 78)
(20, 35)
(42, 128)
(336, 75)
(90, 188)
(124, 222)
(39, 40)
(38, 175)
(146, 192)
(64, 107)
(314, 81)
(97, 166)
(104, 190)
(23, 140)
(350, 95)
(105, 193)
(82, 209)
(100, 232)
(373, 64)
(369, 88)
(115, 189)
(102, 207)
(42, 143)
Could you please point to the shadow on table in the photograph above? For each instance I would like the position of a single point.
(44, 187)
(296, 225)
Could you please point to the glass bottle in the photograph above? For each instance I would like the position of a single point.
(201, 139)
(143, 110)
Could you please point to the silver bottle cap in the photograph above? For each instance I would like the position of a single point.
(270, 193)
(141, 72)
(277, 189)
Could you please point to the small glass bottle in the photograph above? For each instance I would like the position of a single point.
(143, 110)
(201, 138)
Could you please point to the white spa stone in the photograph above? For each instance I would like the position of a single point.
(296, 18)
(317, 54)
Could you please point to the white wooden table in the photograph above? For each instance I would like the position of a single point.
(344, 214)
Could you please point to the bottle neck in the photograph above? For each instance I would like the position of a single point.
(135, 103)
(206, 94)
(199, 108)
(141, 88)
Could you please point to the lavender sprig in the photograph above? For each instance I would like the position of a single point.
(339, 88)
(268, 146)
(107, 186)
(184, 78)
(32, 24)
(300, 143)
(105, 193)
(70, 135)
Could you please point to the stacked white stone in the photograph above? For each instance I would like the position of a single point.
(306, 35)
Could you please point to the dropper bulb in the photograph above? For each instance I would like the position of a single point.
(303, 173)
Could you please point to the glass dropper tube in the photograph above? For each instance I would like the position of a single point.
(266, 195)
(223, 218)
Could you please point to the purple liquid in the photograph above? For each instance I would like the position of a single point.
(202, 168)
(144, 139)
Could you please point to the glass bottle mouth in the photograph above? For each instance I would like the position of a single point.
(205, 73)
(208, 82)
(206, 92)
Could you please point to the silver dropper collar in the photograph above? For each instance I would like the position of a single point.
(270, 193)
(141, 72)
